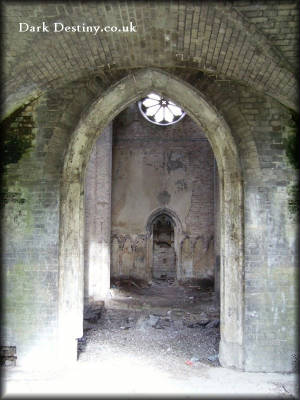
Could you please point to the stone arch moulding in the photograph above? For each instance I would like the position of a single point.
(177, 231)
(92, 122)
(169, 213)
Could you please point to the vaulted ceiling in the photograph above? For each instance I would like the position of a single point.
(254, 43)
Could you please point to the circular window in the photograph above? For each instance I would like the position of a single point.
(159, 110)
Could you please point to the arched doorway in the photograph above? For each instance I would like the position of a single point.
(164, 233)
(164, 256)
(101, 112)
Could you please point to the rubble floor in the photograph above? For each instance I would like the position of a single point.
(152, 340)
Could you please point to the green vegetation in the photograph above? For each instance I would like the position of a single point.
(292, 152)
(16, 139)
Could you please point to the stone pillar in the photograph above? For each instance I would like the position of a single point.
(217, 232)
(98, 219)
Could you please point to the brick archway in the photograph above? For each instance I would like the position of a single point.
(101, 112)
(265, 61)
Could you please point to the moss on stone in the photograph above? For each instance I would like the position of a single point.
(292, 152)
(17, 218)
(292, 141)
(17, 138)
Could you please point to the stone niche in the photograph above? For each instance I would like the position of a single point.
(168, 172)
(164, 256)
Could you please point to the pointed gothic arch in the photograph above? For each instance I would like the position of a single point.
(177, 227)
(99, 114)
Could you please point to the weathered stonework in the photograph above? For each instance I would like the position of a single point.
(231, 66)
(223, 39)
(98, 219)
(260, 181)
(30, 267)
(71, 251)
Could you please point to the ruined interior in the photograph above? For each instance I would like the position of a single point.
(136, 237)
(157, 172)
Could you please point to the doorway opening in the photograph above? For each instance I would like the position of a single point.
(162, 233)
(164, 256)
(219, 135)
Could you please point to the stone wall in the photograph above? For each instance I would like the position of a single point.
(30, 226)
(271, 243)
(30, 245)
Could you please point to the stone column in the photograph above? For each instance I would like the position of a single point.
(98, 219)
(217, 232)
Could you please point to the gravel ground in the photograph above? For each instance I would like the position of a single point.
(157, 340)
(174, 340)
(173, 327)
